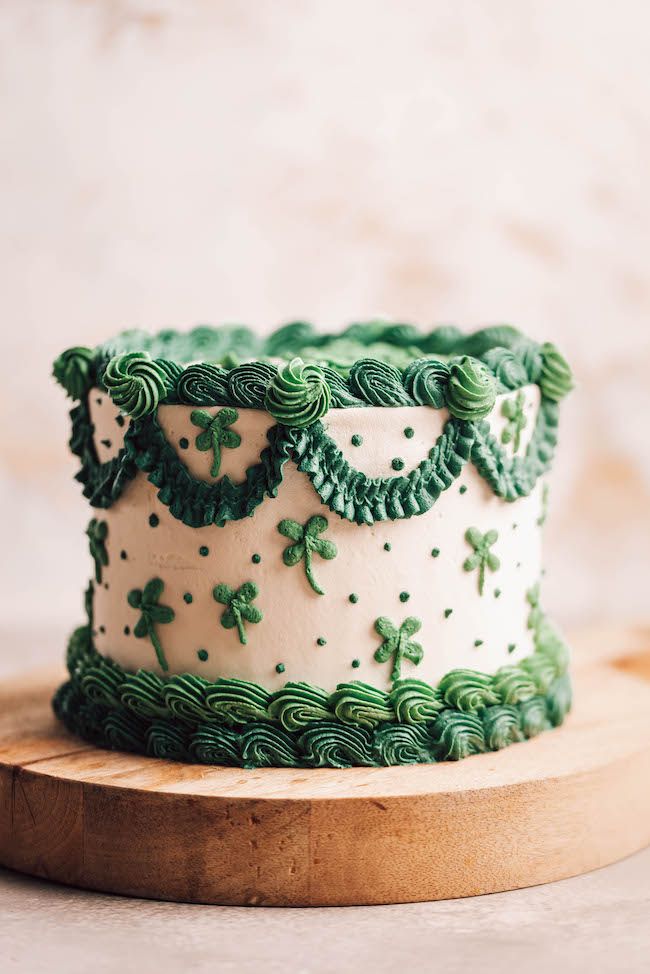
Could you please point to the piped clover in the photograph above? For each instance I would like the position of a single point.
(482, 558)
(216, 433)
(151, 614)
(306, 543)
(239, 609)
(97, 532)
(398, 643)
(513, 410)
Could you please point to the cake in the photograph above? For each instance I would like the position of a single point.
(314, 550)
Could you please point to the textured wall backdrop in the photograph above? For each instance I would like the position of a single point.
(259, 160)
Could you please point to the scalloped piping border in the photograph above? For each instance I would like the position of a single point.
(341, 487)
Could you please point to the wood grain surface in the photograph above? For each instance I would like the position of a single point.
(566, 802)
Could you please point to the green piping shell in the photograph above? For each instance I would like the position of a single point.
(234, 722)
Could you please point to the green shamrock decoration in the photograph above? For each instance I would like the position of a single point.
(215, 433)
(535, 615)
(513, 410)
(307, 543)
(398, 644)
(146, 600)
(482, 558)
(238, 607)
(97, 532)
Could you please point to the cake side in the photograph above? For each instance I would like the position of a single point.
(278, 548)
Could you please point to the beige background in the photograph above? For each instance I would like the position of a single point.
(175, 162)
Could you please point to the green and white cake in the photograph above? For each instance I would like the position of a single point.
(314, 550)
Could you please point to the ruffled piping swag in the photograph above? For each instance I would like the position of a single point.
(341, 487)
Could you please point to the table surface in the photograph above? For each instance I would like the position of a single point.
(598, 922)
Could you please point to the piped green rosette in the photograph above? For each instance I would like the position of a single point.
(556, 380)
(137, 383)
(298, 395)
(238, 723)
(471, 390)
(74, 370)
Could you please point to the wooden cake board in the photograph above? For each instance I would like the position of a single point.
(566, 802)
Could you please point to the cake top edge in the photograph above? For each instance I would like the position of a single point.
(298, 373)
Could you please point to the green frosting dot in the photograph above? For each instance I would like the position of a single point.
(357, 439)
(397, 463)
(435, 552)
(321, 641)
(497, 593)
(409, 432)
(514, 525)
(102, 629)
(107, 443)
(188, 597)
(478, 642)
(123, 555)
(119, 419)
(127, 630)
(202, 654)
(353, 597)
(183, 443)
(256, 559)
(154, 520)
(204, 551)
(448, 612)
(356, 663)
(512, 647)
(279, 668)
(387, 546)
(404, 596)
(462, 489)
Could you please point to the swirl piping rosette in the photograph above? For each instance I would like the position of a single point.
(298, 395)
(378, 383)
(136, 383)
(472, 389)
(73, 370)
(425, 380)
(556, 380)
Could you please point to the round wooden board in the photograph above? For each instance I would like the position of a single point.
(569, 801)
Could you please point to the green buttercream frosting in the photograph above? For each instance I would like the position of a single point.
(298, 704)
(415, 702)
(403, 744)
(237, 701)
(334, 745)
(458, 735)
(556, 380)
(467, 690)
(136, 383)
(501, 726)
(426, 380)
(298, 395)
(507, 367)
(247, 384)
(378, 383)
(212, 744)
(185, 698)
(74, 370)
(471, 390)
(142, 692)
(513, 685)
(268, 746)
(360, 704)
(203, 384)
